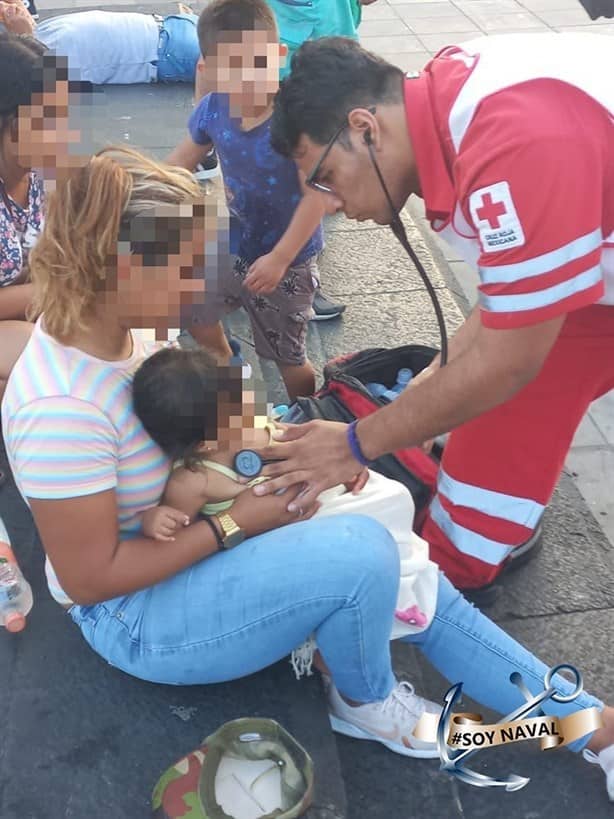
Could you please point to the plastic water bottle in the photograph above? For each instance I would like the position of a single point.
(404, 376)
(279, 411)
(376, 389)
(390, 395)
(15, 591)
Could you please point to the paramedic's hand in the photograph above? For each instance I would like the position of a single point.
(16, 18)
(266, 273)
(257, 515)
(162, 522)
(316, 454)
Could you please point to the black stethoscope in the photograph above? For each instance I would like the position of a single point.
(247, 462)
(398, 228)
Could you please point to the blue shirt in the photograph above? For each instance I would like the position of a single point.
(262, 187)
(103, 46)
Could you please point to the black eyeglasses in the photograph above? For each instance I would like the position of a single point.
(396, 226)
(312, 179)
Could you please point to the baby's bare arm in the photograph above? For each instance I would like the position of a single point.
(186, 490)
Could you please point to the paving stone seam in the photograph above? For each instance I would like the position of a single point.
(512, 618)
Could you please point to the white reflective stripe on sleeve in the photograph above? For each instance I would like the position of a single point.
(538, 265)
(466, 541)
(541, 298)
(524, 511)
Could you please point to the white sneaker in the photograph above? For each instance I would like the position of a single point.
(605, 759)
(390, 721)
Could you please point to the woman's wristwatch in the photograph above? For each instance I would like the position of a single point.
(232, 534)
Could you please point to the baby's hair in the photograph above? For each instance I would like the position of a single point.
(176, 395)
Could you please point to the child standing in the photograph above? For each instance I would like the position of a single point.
(275, 222)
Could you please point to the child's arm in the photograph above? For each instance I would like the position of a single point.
(187, 491)
(188, 153)
(162, 522)
(196, 145)
(185, 494)
(266, 272)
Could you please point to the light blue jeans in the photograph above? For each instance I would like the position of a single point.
(178, 51)
(240, 611)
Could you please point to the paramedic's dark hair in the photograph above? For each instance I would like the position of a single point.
(176, 394)
(310, 102)
(222, 20)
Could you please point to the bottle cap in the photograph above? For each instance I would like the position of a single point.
(6, 553)
(15, 622)
(405, 375)
(280, 410)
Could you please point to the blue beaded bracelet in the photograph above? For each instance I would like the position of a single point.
(354, 444)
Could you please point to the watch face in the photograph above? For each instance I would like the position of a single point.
(234, 539)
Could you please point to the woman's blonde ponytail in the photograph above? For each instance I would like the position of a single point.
(77, 250)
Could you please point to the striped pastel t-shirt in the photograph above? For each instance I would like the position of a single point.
(70, 430)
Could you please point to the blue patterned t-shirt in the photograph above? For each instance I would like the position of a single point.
(262, 187)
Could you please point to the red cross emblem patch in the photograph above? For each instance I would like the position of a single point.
(495, 218)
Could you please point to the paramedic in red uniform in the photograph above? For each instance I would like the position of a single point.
(509, 141)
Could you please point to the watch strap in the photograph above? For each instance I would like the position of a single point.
(232, 532)
(218, 537)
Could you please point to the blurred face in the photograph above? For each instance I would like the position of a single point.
(162, 278)
(246, 67)
(241, 411)
(347, 177)
(42, 138)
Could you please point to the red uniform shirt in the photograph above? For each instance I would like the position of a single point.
(514, 143)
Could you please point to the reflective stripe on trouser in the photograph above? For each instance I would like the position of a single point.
(499, 471)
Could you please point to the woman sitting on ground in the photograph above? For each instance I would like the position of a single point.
(190, 612)
(21, 189)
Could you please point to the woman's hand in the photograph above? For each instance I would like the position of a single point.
(258, 515)
(358, 482)
(316, 454)
(16, 18)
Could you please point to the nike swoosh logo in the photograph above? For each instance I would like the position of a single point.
(395, 734)
(389, 734)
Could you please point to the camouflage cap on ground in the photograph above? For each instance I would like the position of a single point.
(187, 789)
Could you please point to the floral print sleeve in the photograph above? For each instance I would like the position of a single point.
(19, 230)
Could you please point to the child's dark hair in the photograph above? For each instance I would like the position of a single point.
(176, 394)
(222, 18)
(20, 72)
